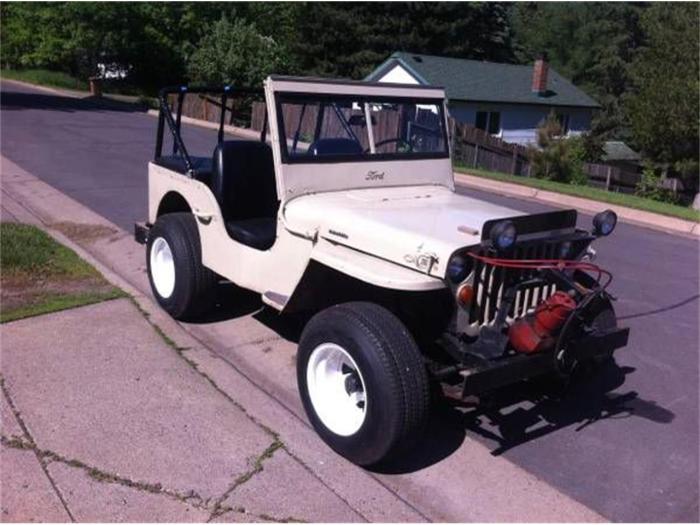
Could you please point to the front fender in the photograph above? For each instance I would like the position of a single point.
(371, 269)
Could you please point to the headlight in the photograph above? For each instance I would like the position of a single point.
(458, 268)
(604, 222)
(565, 249)
(503, 235)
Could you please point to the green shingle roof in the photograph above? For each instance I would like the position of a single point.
(617, 150)
(473, 80)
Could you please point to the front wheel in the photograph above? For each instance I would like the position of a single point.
(363, 382)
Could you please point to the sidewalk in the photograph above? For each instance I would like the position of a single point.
(103, 420)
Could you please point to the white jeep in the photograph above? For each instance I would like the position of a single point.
(343, 205)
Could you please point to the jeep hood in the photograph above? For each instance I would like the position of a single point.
(418, 227)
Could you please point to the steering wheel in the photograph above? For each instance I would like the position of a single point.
(398, 140)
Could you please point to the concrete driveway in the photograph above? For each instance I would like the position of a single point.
(625, 445)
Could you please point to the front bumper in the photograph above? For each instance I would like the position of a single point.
(486, 375)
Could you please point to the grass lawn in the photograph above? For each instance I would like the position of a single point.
(45, 77)
(40, 275)
(588, 192)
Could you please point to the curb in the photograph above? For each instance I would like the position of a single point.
(642, 218)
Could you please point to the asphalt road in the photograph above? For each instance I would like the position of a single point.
(625, 444)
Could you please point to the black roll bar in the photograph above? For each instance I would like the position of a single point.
(165, 115)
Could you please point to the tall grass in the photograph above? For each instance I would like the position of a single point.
(44, 77)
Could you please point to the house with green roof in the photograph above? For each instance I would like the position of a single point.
(507, 100)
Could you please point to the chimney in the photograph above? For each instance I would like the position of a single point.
(539, 75)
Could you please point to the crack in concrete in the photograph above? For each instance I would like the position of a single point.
(102, 476)
(276, 444)
(190, 498)
(257, 467)
(180, 350)
(31, 441)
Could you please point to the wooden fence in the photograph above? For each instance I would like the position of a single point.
(475, 148)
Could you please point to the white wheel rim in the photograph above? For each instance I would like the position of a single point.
(162, 267)
(337, 389)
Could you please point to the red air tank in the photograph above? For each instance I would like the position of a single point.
(533, 333)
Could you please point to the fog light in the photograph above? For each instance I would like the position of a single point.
(604, 222)
(503, 235)
(458, 268)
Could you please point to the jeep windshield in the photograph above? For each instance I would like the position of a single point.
(346, 128)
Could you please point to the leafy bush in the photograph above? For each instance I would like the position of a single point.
(557, 158)
(650, 187)
(235, 52)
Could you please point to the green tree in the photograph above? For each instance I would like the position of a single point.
(350, 39)
(663, 106)
(235, 52)
(590, 43)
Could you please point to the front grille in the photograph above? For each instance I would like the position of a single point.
(490, 282)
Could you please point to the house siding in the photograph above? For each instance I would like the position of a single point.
(398, 75)
(519, 122)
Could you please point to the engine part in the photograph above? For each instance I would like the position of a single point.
(536, 332)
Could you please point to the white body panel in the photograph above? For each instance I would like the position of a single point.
(274, 273)
(417, 227)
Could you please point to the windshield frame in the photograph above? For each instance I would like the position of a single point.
(282, 97)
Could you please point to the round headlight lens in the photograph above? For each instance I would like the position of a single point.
(604, 222)
(458, 268)
(565, 249)
(503, 235)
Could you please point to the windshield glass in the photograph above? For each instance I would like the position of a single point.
(321, 128)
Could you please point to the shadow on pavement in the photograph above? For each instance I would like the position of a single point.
(233, 302)
(511, 417)
(13, 101)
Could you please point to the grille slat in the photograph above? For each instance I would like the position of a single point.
(490, 283)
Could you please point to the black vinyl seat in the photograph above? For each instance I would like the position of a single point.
(243, 182)
(201, 166)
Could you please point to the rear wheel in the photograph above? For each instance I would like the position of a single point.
(363, 382)
(180, 283)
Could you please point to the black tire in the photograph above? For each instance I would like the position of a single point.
(395, 380)
(195, 285)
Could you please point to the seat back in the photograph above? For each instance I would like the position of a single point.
(243, 180)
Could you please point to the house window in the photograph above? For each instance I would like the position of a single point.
(563, 119)
(489, 121)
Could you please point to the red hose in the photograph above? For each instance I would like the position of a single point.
(544, 264)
